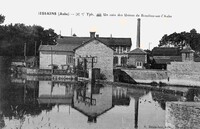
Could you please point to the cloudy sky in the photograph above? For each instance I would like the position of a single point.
(182, 16)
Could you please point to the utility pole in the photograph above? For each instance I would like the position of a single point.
(35, 48)
(51, 61)
(25, 53)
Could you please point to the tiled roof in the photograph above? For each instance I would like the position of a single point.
(167, 59)
(137, 51)
(89, 42)
(59, 47)
(162, 61)
(176, 58)
(166, 51)
(188, 49)
(110, 41)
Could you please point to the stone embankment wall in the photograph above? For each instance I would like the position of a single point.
(184, 71)
(182, 115)
(146, 74)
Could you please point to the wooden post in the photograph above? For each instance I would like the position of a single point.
(85, 67)
(51, 61)
(136, 112)
(35, 48)
(25, 53)
(92, 78)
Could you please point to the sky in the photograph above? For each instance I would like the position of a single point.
(161, 17)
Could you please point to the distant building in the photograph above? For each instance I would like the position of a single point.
(60, 56)
(164, 55)
(187, 54)
(121, 46)
(101, 53)
(137, 57)
(188, 69)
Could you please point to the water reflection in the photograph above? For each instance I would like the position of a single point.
(49, 104)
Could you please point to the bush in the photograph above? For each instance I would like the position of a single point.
(147, 66)
(131, 66)
(102, 76)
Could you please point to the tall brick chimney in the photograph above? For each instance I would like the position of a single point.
(92, 34)
(138, 33)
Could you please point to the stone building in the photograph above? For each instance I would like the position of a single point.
(187, 54)
(60, 56)
(137, 57)
(121, 46)
(186, 69)
(102, 54)
(165, 55)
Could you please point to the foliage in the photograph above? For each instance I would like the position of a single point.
(2, 19)
(131, 66)
(14, 37)
(147, 65)
(102, 76)
(181, 39)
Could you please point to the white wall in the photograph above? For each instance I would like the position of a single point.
(58, 59)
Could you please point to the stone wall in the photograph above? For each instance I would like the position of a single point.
(103, 54)
(145, 74)
(182, 115)
(184, 70)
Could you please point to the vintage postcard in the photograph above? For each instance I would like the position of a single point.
(132, 64)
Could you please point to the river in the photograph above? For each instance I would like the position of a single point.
(46, 104)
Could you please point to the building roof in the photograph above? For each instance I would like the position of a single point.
(166, 51)
(137, 51)
(187, 49)
(91, 41)
(162, 61)
(110, 41)
(167, 59)
(58, 47)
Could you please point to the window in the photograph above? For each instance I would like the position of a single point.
(139, 64)
(120, 49)
(124, 49)
(123, 61)
(95, 60)
(187, 55)
(115, 60)
(70, 59)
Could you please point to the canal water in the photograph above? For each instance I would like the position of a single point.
(29, 103)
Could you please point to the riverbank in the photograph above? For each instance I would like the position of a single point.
(161, 77)
(145, 87)
(170, 82)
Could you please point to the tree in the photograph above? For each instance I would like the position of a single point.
(14, 37)
(2, 18)
(181, 39)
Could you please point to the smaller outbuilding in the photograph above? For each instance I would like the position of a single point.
(59, 56)
(137, 58)
(187, 54)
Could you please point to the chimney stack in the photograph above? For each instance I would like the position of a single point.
(92, 34)
(138, 33)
